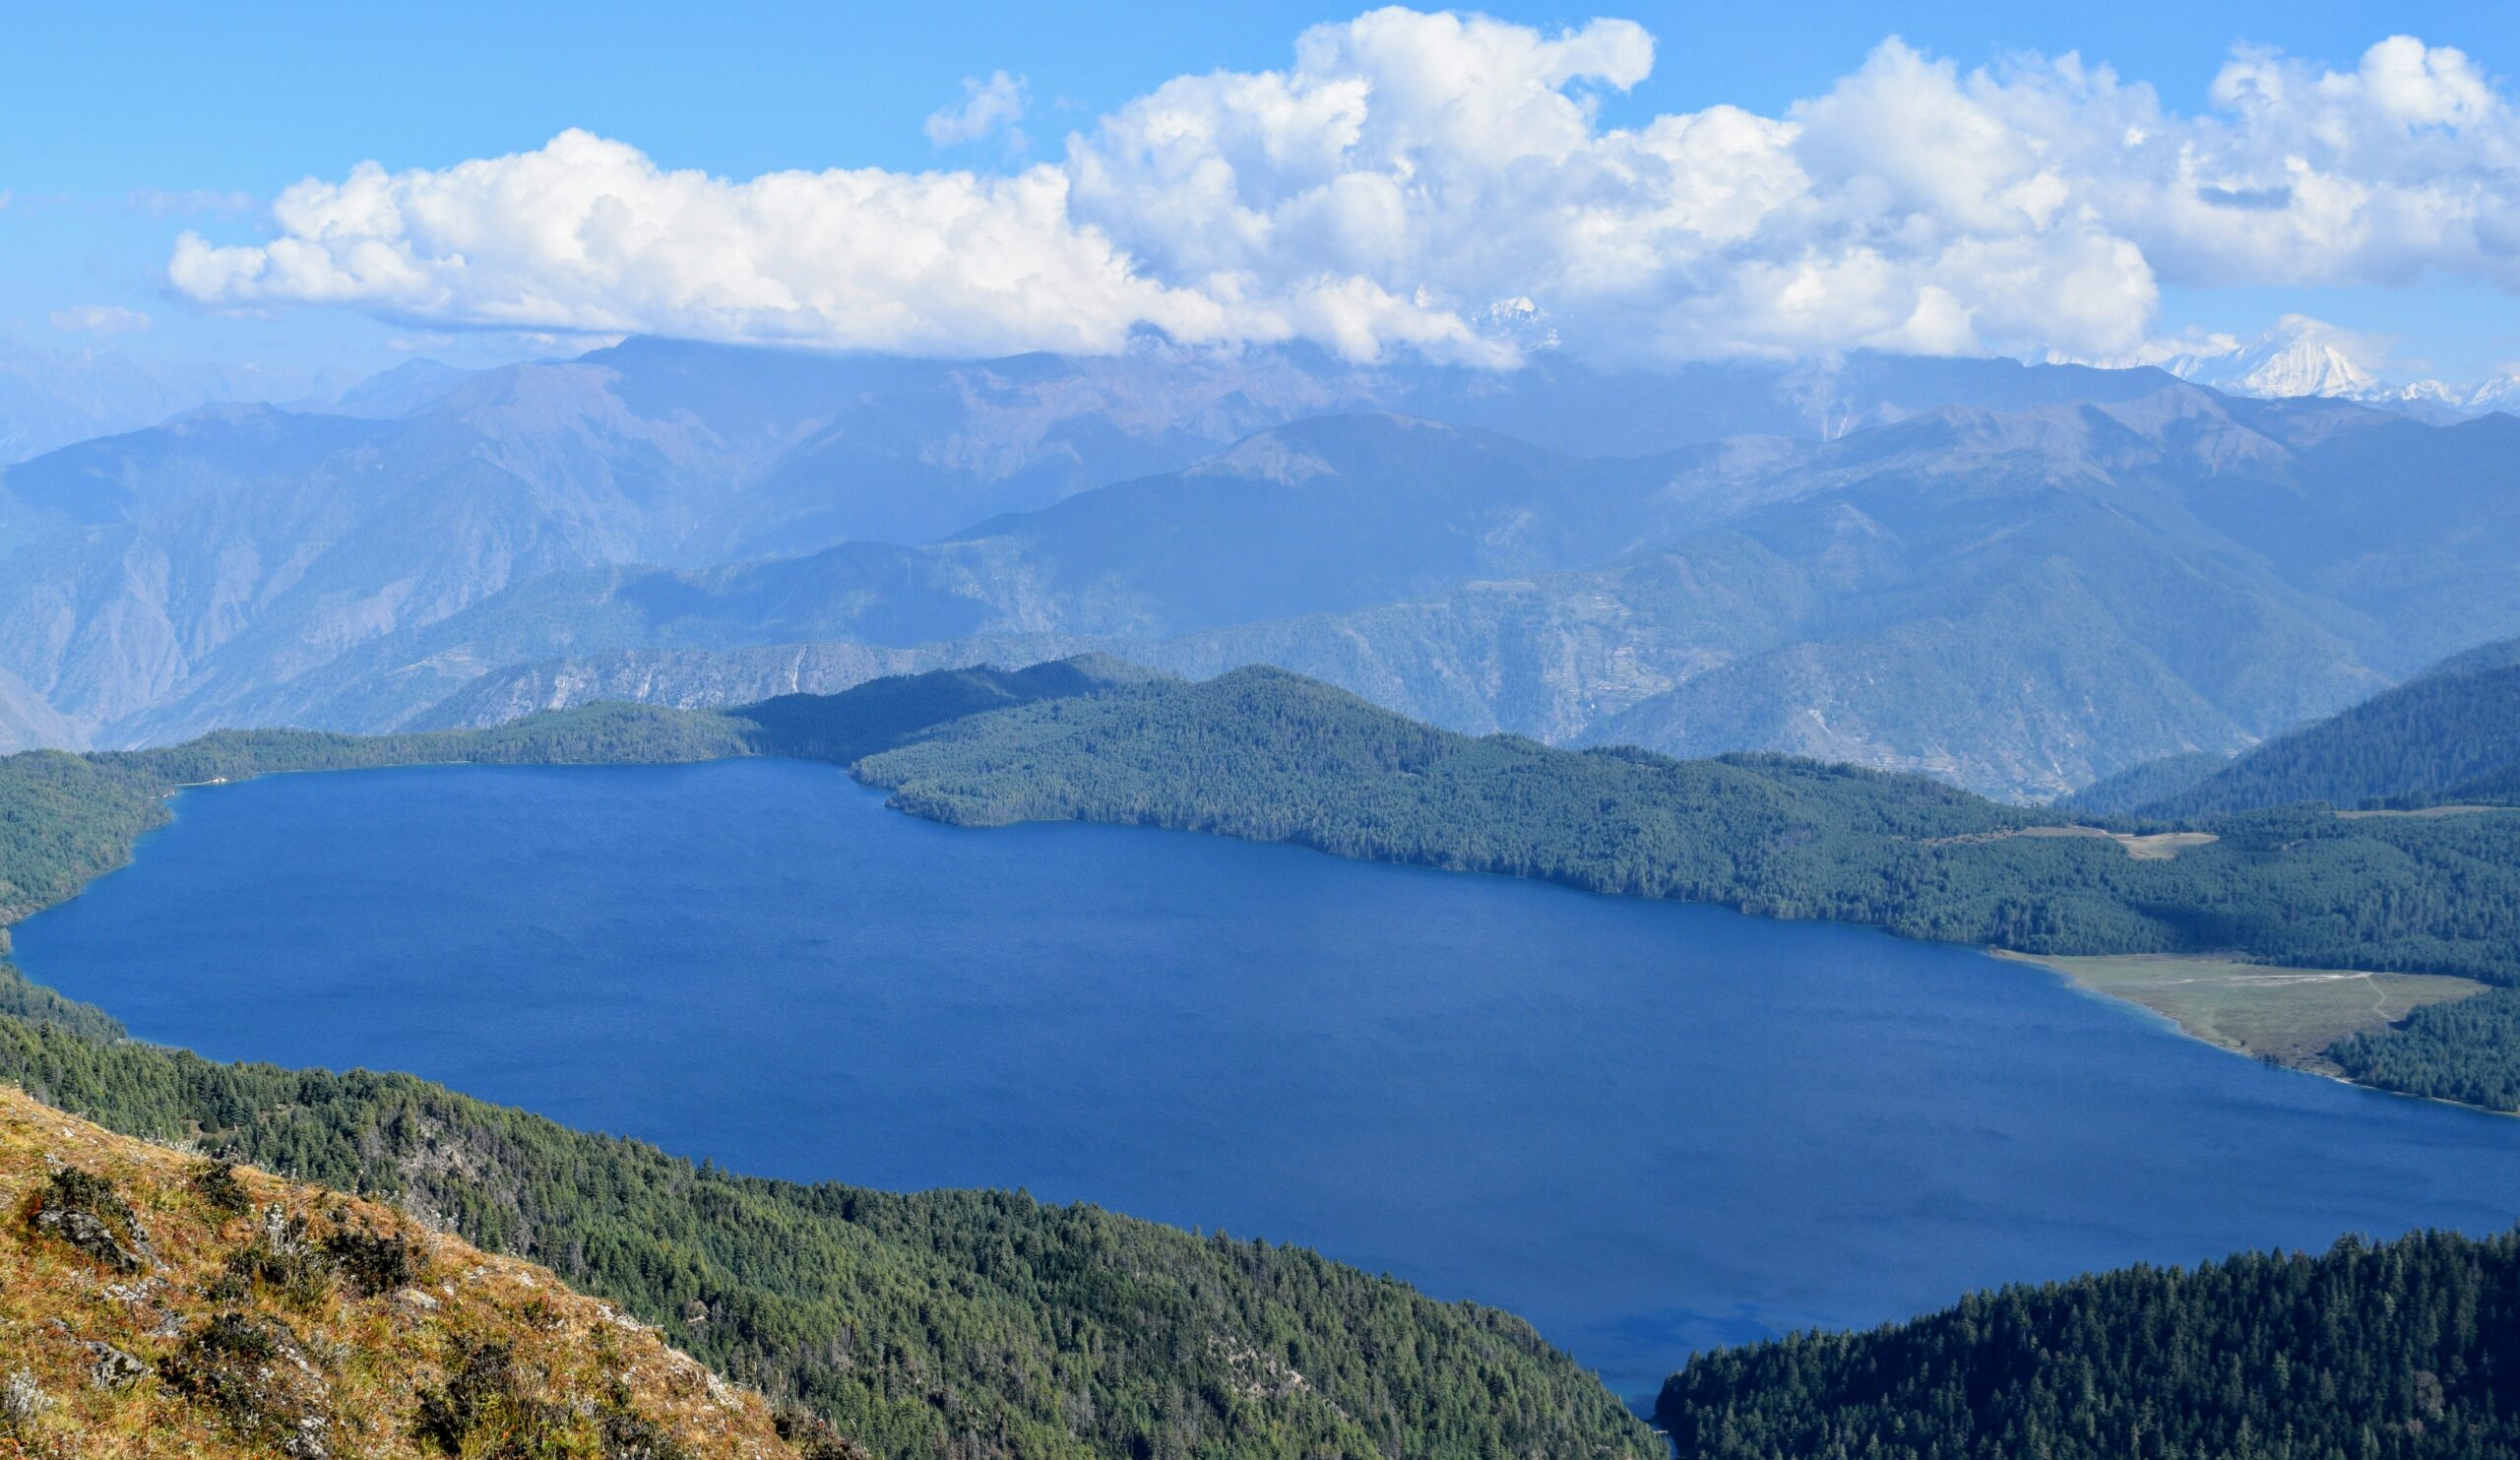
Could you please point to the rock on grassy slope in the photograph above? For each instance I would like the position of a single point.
(154, 1303)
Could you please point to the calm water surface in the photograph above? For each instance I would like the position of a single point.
(1644, 1126)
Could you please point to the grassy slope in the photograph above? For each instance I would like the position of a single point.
(374, 1350)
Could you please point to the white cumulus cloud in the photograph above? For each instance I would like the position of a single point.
(987, 107)
(1410, 175)
(100, 319)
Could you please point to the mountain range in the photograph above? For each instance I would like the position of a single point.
(2306, 359)
(2021, 578)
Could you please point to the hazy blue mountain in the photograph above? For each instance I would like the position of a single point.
(180, 577)
(50, 398)
(2019, 601)
(232, 551)
(684, 678)
(406, 388)
(1329, 514)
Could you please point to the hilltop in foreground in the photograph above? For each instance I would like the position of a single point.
(153, 1303)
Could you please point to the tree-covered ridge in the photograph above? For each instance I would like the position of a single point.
(2365, 1352)
(590, 735)
(2449, 736)
(947, 1323)
(2131, 789)
(884, 713)
(1263, 754)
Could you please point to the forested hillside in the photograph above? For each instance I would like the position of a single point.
(2131, 789)
(937, 1324)
(2442, 739)
(2399, 1350)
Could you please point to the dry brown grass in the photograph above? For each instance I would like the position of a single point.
(556, 1375)
(2287, 1015)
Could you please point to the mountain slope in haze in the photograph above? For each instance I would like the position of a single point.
(1328, 513)
(404, 390)
(232, 551)
(155, 1302)
(2021, 601)
(50, 398)
(2448, 736)
(213, 562)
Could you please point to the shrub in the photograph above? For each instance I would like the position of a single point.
(216, 1183)
(374, 1262)
(255, 1375)
(82, 1209)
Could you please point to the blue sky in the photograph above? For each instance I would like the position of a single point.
(119, 132)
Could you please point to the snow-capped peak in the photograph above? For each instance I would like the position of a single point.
(2306, 357)
(2300, 357)
(2302, 366)
(2501, 393)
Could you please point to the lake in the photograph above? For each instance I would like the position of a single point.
(1645, 1126)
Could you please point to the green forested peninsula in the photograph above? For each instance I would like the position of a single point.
(2365, 1352)
(2468, 1051)
(1265, 754)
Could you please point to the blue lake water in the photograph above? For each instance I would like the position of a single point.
(1644, 1126)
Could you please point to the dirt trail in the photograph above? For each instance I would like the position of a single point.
(2158, 847)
